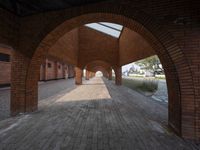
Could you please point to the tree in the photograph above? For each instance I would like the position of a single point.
(151, 64)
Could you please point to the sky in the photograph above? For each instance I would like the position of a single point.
(100, 27)
(110, 31)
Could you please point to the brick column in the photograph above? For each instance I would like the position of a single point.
(19, 68)
(45, 69)
(87, 76)
(105, 74)
(71, 71)
(65, 70)
(110, 74)
(56, 69)
(92, 74)
(78, 75)
(118, 76)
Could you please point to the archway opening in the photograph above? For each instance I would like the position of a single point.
(147, 76)
(55, 76)
(140, 31)
(6, 54)
(98, 74)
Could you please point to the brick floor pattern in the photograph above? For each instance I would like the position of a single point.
(97, 115)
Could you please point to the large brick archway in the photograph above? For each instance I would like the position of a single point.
(101, 69)
(179, 77)
(94, 65)
(99, 65)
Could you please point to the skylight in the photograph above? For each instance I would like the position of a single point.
(107, 28)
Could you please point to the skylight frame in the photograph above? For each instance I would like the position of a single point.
(111, 29)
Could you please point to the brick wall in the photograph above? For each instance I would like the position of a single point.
(96, 45)
(60, 71)
(9, 28)
(42, 72)
(53, 69)
(5, 67)
(50, 69)
(71, 71)
(188, 38)
(66, 48)
(57, 70)
(5, 73)
(131, 42)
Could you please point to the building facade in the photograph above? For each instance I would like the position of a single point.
(51, 69)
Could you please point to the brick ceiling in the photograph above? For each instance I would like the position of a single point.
(29, 7)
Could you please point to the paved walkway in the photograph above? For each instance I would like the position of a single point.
(46, 90)
(161, 94)
(93, 116)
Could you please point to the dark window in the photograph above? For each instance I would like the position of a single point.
(4, 57)
(58, 66)
(49, 65)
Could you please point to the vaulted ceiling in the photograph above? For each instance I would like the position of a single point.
(29, 7)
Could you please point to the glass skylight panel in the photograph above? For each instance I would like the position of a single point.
(112, 25)
(107, 28)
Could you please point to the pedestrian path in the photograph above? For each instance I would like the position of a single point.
(97, 115)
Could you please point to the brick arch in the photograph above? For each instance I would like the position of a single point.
(101, 63)
(98, 68)
(101, 69)
(179, 77)
(104, 70)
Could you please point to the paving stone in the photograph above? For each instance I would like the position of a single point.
(97, 115)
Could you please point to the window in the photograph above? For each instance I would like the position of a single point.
(107, 28)
(4, 57)
(49, 65)
(58, 66)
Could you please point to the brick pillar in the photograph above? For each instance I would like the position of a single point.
(92, 74)
(71, 71)
(78, 75)
(87, 76)
(56, 69)
(19, 69)
(118, 76)
(105, 74)
(45, 69)
(110, 74)
(65, 70)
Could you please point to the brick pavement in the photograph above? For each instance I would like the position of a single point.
(92, 116)
(46, 89)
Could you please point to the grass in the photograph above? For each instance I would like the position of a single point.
(142, 76)
(144, 85)
(161, 76)
(136, 75)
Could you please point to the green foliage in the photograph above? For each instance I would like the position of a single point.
(145, 85)
(151, 63)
